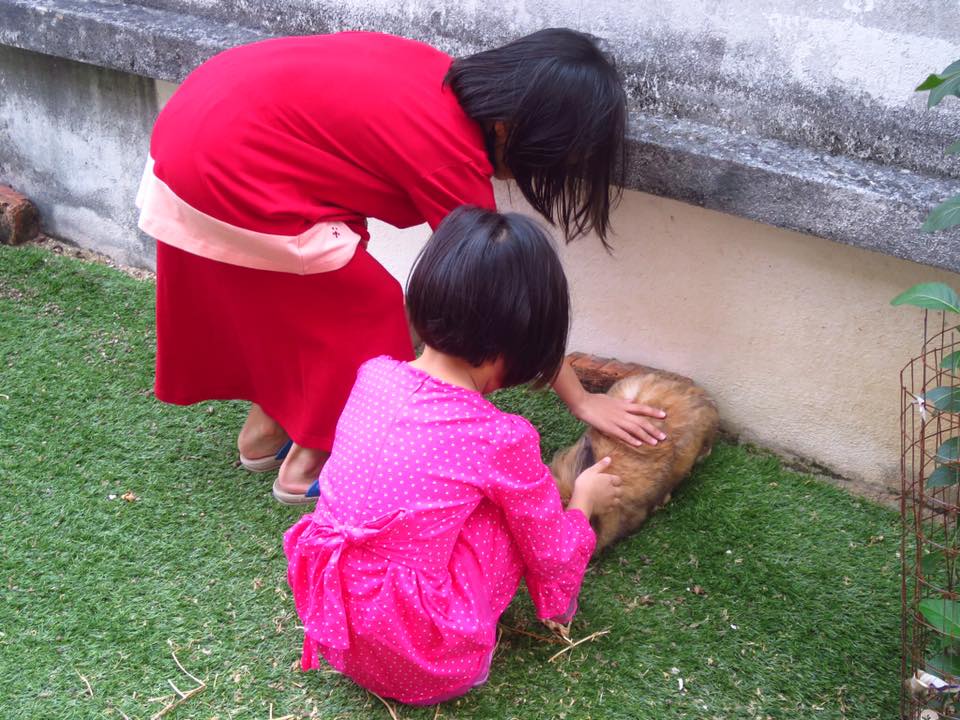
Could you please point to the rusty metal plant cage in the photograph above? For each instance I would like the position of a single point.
(929, 508)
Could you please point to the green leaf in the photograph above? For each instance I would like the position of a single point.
(953, 149)
(933, 296)
(943, 615)
(949, 452)
(944, 664)
(932, 81)
(941, 84)
(951, 362)
(943, 476)
(950, 86)
(944, 399)
(943, 216)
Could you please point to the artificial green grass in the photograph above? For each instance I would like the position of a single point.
(769, 594)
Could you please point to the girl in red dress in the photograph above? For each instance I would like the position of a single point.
(265, 165)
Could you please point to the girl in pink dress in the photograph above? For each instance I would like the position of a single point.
(434, 504)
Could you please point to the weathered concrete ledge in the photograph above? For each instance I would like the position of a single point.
(131, 38)
(852, 200)
(855, 202)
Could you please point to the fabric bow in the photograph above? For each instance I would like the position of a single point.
(320, 601)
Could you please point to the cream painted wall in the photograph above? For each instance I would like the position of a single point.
(792, 334)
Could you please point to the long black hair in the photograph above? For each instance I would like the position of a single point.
(489, 285)
(563, 107)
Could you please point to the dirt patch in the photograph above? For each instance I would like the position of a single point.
(60, 247)
(879, 493)
(8, 292)
(875, 493)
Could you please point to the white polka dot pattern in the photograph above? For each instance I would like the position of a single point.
(433, 506)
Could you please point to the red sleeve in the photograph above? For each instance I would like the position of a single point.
(446, 189)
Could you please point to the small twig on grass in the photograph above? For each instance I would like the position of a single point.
(560, 630)
(437, 713)
(541, 638)
(393, 713)
(85, 682)
(182, 696)
(183, 669)
(496, 647)
(578, 642)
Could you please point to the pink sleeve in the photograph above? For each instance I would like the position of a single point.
(555, 544)
(446, 189)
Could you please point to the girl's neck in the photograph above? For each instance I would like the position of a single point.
(457, 371)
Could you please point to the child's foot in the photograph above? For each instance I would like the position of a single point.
(298, 473)
(260, 439)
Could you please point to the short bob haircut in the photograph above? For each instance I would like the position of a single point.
(563, 107)
(490, 285)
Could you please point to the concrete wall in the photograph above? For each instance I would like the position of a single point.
(798, 114)
(837, 75)
(793, 335)
(74, 137)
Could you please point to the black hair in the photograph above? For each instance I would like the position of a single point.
(490, 285)
(564, 110)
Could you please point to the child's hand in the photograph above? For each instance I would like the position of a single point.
(620, 418)
(594, 491)
(617, 417)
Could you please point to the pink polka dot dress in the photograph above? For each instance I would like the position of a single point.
(433, 505)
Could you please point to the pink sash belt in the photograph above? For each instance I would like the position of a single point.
(165, 216)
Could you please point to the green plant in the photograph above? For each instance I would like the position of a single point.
(933, 579)
(938, 296)
(943, 398)
(930, 510)
(946, 214)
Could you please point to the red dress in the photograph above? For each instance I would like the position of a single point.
(264, 166)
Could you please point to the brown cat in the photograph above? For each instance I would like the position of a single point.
(650, 473)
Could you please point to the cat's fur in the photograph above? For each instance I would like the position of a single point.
(650, 473)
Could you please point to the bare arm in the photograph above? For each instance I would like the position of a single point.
(612, 416)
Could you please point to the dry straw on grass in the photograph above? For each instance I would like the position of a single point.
(181, 697)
